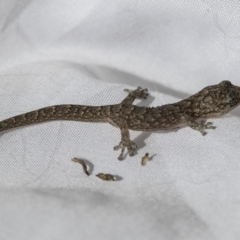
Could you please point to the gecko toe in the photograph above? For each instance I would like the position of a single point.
(142, 93)
(120, 157)
(138, 93)
(205, 125)
(131, 147)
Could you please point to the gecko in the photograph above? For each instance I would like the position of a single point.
(212, 101)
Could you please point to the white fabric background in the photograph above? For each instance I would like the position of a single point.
(87, 52)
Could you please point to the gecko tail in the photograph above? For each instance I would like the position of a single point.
(58, 112)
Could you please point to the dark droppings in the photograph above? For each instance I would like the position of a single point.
(106, 177)
(84, 166)
(145, 159)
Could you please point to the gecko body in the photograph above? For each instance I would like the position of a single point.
(212, 101)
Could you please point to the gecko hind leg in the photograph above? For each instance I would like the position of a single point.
(125, 141)
(139, 93)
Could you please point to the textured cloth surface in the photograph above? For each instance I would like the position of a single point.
(87, 52)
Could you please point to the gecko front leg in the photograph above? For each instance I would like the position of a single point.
(201, 127)
(139, 93)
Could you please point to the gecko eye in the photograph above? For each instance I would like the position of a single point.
(225, 83)
(232, 99)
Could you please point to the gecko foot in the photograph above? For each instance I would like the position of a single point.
(138, 93)
(205, 125)
(131, 147)
(200, 126)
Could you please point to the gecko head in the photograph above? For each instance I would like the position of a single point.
(220, 98)
(229, 93)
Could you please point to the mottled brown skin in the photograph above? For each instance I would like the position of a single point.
(212, 101)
